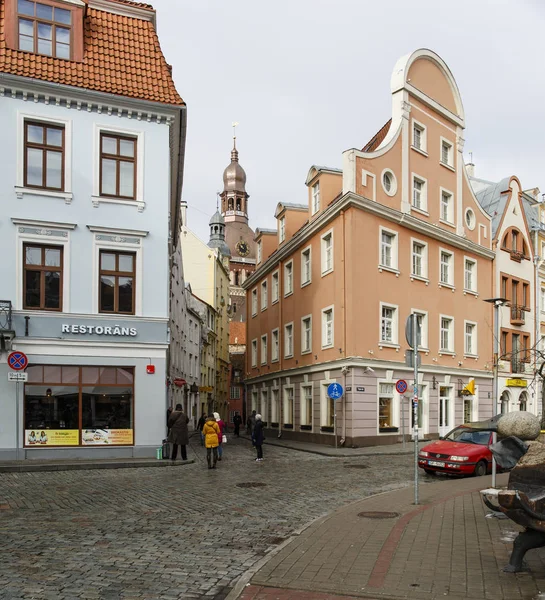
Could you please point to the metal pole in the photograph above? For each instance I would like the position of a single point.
(16, 420)
(495, 382)
(403, 420)
(415, 407)
(335, 421)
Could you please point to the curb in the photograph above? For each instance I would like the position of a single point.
(82, 466)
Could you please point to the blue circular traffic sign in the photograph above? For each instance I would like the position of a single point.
(401, 386)
(335, 391)
(18, 361)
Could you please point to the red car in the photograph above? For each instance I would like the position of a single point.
(461, 452)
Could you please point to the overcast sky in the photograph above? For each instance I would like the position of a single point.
(308, 79)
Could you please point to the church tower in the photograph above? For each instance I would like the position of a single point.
(238, 234)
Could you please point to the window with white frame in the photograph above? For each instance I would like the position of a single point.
(282, 229)
(327, 409)
(446, 153)
(315, 197)
(306, 266)
(264, 352)
(259, 251)
(306, 334)
(264, 295)
(288, 278)
(446, 342)
(254, 353)
(275, 407)
(288, 340)
(385, 406)
(470, 338)
(254, 400)
(254, 302)
(327, 252)
(419, 259)
(446, 275)
(306, 406)
(419, 136)
(447, 207)
(264, 408)
(388, 249)
(388, 324)
(274, 345)
(327, 327)
(470, 275)
(288, 406)
(419, 193)
(421, 329)
(275, 292)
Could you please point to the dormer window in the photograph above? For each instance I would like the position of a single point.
(44, 29)
(315, 197)
(282, 229)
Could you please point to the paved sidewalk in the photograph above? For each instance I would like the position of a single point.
(341, 452)
(443, 548)
(36, 465)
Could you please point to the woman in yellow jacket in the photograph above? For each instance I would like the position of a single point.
(211, 432)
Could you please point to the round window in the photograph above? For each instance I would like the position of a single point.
(470, 219)
(389, 182)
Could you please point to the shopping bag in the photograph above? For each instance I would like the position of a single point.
(224, 439)
(166, 449)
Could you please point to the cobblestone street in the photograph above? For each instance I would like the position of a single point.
(180, 532)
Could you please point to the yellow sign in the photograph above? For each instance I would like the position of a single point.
(38, 438)
(104, 437)
(206, 388)
(469, 389)
(517, 383)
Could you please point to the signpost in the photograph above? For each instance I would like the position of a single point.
(18, 361)
(335, 391)
(411, 334)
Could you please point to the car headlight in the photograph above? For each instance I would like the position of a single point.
(460, 458)
(422, 453)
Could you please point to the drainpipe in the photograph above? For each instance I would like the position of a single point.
(343, 439)
(281, 342)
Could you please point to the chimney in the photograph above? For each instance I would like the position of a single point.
(183, 212)
(470, 169)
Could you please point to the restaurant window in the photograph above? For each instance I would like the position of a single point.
(59, 398)
(117, 166)
(42, 277)
(386, 407)
(43, 156)
(275, 408)
(306, 407)
(117, 285)
(288, 408)
(44, 29)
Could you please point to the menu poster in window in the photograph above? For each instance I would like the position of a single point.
(103, 437)
(37, 438)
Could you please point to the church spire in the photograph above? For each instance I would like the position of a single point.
(234, 151)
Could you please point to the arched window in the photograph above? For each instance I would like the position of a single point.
(230, 204)
(523, 401)
(504, 400)
(237, 278)
(238, 203)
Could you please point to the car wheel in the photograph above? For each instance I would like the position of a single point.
(429, 472)
(480, 469)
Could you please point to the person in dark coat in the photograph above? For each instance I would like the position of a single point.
(179, 434)
(237, 422)
(251, 423)
(258, 437)
(200, 425)
(169, 412)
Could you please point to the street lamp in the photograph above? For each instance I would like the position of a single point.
(497, 302)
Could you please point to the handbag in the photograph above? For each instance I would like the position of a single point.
(224, 439)
(166, 450)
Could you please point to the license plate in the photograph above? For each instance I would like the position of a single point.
(435, 463)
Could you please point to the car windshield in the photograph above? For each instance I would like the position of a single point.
(461, 434)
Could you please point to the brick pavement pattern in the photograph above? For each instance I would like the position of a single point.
(444, 548)
(170, 533)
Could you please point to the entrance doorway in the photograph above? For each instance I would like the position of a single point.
(468, 410)
(445, 410)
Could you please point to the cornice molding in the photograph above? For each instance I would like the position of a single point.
(125, 10)
(351, 199)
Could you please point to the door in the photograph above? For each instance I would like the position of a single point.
(445, 411)
(467, 410)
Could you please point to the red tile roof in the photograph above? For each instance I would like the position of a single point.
(136, 4)
(378, 138)
(237, 333)
(121, 56)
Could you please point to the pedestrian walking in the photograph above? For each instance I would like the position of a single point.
(237, 422)
(211, 432)
(258, 437)
(221, 425)
(178, 434)
(200, 425)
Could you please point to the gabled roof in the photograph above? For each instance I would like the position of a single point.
(282, 206)
(316, 169)
(493, 197)
(121, 56)
(378, 138)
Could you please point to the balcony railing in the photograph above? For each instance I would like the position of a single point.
(5, 315)
(518, 315)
